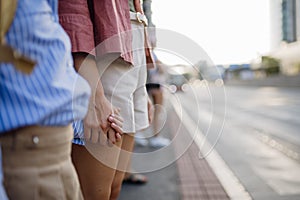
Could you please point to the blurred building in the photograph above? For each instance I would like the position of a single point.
(285, 34)
(276, 23)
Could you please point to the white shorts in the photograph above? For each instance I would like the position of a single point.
(124, 85)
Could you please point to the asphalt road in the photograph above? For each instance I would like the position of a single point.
(256, 130)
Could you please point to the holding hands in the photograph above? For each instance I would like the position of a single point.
(102, 118)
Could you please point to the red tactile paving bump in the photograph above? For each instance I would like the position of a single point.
(197, 180)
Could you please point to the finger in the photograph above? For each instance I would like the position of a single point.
(117, 128)
(116, 121)
(94, 135)
(87, 132)
(118, 137)
(118, 117)
(111, 136)
(117, 111)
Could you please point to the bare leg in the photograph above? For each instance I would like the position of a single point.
(157, 100)
(124, 159)
(95, 170)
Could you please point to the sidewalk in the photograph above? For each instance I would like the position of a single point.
(188, 178)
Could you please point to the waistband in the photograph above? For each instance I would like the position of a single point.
(139, 17)
(36, 137)
(36, 146)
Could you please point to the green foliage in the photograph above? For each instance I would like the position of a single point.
(270, 65)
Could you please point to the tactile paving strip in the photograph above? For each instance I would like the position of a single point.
(197, 180)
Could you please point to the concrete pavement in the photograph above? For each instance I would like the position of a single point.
(258, 144)
(260, 139)
(187, 178)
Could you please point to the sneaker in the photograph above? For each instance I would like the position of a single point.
(158, 142)
(135, 179)
(141, 142)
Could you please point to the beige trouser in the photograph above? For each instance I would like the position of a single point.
(37, 164)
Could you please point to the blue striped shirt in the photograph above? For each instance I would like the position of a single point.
(78, 133)
(54, 94)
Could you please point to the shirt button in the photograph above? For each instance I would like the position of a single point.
(35, 139)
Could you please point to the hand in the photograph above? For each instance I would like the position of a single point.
(116, 123)
(96, 121)
(91, 126)
(110, 120)
(102, 118)
(115, 131)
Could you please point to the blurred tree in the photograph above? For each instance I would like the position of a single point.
(270, 65)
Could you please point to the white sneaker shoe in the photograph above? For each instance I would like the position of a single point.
(141, 142)
(158, 142)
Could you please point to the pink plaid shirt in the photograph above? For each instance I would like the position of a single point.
(109, 27)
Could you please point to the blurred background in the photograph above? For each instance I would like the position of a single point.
(247, 91)
(237, 35)
(255, 46)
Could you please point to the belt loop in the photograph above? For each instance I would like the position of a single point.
(137, 15)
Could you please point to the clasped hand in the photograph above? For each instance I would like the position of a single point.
(103, 118)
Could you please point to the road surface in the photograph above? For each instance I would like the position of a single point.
(256, 131)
